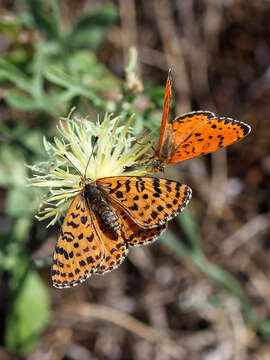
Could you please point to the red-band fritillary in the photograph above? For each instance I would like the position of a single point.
(109, 215)
(193, 134)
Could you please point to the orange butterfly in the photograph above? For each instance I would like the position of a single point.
(109, 215)
(193, 134)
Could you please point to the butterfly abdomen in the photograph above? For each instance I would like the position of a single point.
(99, 205)
(108, 216)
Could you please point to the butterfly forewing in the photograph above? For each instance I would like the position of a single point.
(150, 202)
(183, 126)
(200, 133)
(166, 108)
(79, 250)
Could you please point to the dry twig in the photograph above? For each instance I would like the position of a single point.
(81, 312)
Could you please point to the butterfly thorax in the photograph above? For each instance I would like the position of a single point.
(164, 154)
(97, 201)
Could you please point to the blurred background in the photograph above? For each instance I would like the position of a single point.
(203, 290)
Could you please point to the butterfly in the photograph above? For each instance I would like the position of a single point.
(109, 215)
(193, 134)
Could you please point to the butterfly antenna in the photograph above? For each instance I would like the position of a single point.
(93, 149)
(170, 75)
(171, 81)
(75, 167)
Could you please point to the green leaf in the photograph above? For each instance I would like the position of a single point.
(91, 28)
(29, 312)
(43, 17)
(12, 168)
(19, 101)
(10, 251)
(10, 27)
(174, 243)
(58, 76)
(26, 103)
(22, 226)
(17, 55)
(85, 65)
(51, 103)
(91, 38)
(10, 72)
(103, 17)
(74, 86)
(32, 140)
(18, 202)
(190, 229)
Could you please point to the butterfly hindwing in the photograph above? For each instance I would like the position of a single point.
(116, 248)
(131, 235)
(150, 202)
(134, 235)
(79, 250)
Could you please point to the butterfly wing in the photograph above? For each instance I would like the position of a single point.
(86, 245)
(166, 108)
(150, 202)
(131, 235)
(79, 250)
(116, 248)
(199, 133)
(134, 235)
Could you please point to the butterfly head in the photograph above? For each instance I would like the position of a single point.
(84, 181)
(157, 166)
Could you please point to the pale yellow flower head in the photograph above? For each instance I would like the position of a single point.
(112, 149)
